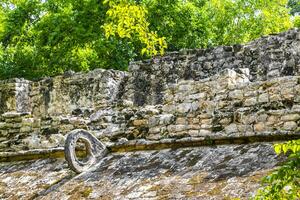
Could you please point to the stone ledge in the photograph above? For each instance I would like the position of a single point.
(31, 154)
(141, 145)
(144, 145)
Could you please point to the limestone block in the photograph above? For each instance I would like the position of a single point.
(193, 133)
(27, 121)
(250, 101)
(181, 121)
(262, 117)
(287, 93)
(290, 117)
(36, 123)
(2, 125)
(13, 131)
(272, 120)
(176, 128)
(11, 114)
(263, 98)
(184, 107)
(193, 127)
(244, 128)
(236, 94)
(154, 130)
(225, 121)
(259, 127)
(289, 126)
(166, 119)
(3, 132)
(140, 122)
(25, 129)
(204, 132)
(231, 128)
(153, 121)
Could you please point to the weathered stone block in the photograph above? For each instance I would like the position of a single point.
(2, 125)
(250, 101)
(153, 121)
(232, 128)
(289, 126)
(12, 131)
(27, 121)
(166, 119)
(193, 133)
(262, 117)
(25, 129)
(204, 132)
(287, 93)
(236, 94)
(11, 115)
(259, 127)
(176, 128)
(154, 130)
(181, 121)
(184, 107)
(244, 128)
(225, 121)
(140, 122)
(275, 97)
(272, 120)
(290, 117)
(197, 96)
(263, 98)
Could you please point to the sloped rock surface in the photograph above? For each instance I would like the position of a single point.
(217, 172)
(26, 180)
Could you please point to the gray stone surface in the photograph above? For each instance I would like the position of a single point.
(262, 59)
(217, 172)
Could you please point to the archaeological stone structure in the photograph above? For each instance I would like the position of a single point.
(193, 124)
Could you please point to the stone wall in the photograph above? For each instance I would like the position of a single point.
(265, 58)
(223, 92)
(39, 114)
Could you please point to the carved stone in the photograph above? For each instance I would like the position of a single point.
(95, 150)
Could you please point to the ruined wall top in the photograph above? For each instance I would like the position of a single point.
(65, 94)
(265, 58)
(145, 82)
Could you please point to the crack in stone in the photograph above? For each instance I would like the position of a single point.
(54, 186)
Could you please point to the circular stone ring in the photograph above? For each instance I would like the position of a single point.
(95, 150)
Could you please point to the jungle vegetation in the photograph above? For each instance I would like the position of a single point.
(47, 37)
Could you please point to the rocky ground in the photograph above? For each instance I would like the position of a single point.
(218, 172)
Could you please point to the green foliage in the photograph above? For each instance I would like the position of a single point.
(294, 5)
(293, 146)
(297, 21)
(127, 20)
(45, 38)
(283, 183)
(42, 38)
(205, 23)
